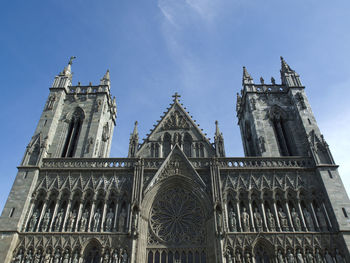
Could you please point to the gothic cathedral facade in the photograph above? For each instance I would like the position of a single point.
(177, 197)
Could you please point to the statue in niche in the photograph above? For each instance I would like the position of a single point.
(273, 81)
(262, 144)
(122, 220)
(134, 222)
(296, 220)
(228, 256)
(89, 144)
(33, 221)
(219, 221)
(72, 219)
(51, 102)
(37, 257)
(46, 221)
(84, 220)
(29, 257)
(290, 257)
(308, 220)
(321, 220)
(19, 257)
(109, 220)
(59, 219)
(106, 257)
(66, 256)
(258, 220)
(280, 256)
(271, 220)
(262, 81)
(318, 257)
(232, 220)
(328, 257)
(339, 257)
(283, 219)
(248, 257)
(97, 218)
(75, 257)
(239, 257)
(47, 258)
(245, 220)
(309, 257)
(57, 256)
(115, 256)
(124, 256)
(300, 258)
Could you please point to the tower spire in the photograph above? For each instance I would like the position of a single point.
(219, 141)
(135, 131)
(247, 79)
(134, 141)
(106, 79)
(288, 76)
(284, 66)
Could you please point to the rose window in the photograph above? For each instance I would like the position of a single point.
(177, 218)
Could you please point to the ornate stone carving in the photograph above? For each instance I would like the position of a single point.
(270, 220)
(232, 220)
(283, 219)
(177, 218)
(175, 121)
(245, 220)
(296, 220)
(109, 220)
(258, 220)
(97, 218)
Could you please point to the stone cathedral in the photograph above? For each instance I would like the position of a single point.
(177, 198)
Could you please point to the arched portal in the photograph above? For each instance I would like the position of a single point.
(176, 227)
(92, 252)
(263, 251)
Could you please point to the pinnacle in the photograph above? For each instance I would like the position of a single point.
(247, 79)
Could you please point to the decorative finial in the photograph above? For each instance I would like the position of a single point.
(71, 60)
(176, 96)
(247, 79)
(284, 66)
(135, 132)
(273, 81)
(217, 131)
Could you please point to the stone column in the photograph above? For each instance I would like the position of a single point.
(32, 204)
(66, 216)
(315, 217)
(251, 216)
(54, 214)
(91, 215)
(239, 217)
(103, 215)
(278, 225)
(80, 211)
(289, 216)
(302, 215)
(263, 214)
(115, 217)
(41, 215)
(128, 217)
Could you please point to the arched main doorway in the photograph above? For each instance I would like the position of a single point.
(92, 252)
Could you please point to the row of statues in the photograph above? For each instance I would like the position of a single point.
(83, 225)
(289, 257)
(257, 223)
(116, 256)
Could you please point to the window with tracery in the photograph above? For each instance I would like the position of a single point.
(72, 137)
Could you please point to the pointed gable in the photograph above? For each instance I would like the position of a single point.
(176, 164)
(177, 123)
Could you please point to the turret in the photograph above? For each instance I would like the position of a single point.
(134, 142)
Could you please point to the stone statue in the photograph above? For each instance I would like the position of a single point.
(75, 257)
(328, 258)
(115, 256)
(239, 257)
(134, 222)
(97, 218)
(280, 256)
(219, 221)
(296, 220)
(72, 219)
(29, 257)
(37, 257)
(228, 256)
(59, 219)
(109, 220)
(300, 258)
(271, 220)
(33, 221)
(57, 256)
(318, 257)
(248, 258)
(321, 220)
(46, 221)
(309, 257)
(124, 257)
(66, 256)
(122, 220)
(245, 220)
(232, 221)
(283, 219)
(106, 257)
(84, 220)
(258, 220)
(19, 257)
(47, 258)
(339, 257)
(290, 257)
(308, 220)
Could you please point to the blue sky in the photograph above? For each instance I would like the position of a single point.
(157, 47)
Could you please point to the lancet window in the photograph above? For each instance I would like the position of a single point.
(166, 144)
(73, 133)
(187, 146)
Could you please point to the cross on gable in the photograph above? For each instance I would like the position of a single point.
(176, 96)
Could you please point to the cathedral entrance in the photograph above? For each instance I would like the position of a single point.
(177, 228)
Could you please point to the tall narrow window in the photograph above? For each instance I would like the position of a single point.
(187, 145)
(166, 145)
(73, 133)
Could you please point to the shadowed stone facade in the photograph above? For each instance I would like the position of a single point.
(177, 197)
